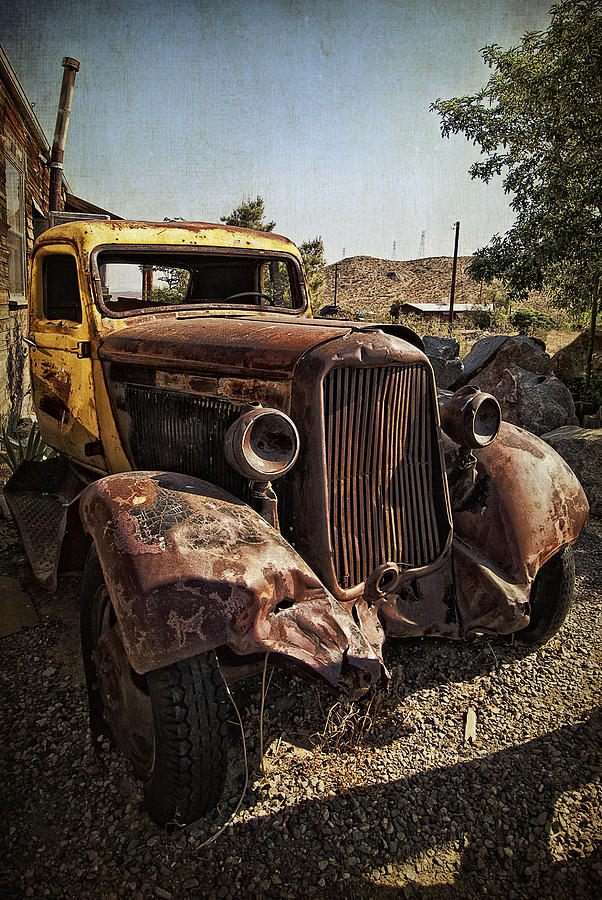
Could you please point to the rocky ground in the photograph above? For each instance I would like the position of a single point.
(385, 799)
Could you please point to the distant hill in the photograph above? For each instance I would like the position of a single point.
(369, 283)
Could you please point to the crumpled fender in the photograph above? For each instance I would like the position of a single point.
(525, 505)
(189, 568)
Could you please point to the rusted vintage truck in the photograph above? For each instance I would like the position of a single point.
(248, 480)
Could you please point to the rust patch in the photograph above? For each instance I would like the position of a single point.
(59, 381)
(53, 406)
(423, 606)
(248, 390)
(522, 507)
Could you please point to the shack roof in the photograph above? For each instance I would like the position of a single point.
(443, 307)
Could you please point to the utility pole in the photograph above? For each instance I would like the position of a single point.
(453, 284)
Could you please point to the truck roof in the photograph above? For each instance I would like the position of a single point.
(87, 234)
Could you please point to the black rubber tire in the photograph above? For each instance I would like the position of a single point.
(190, 713)
(190, 709)
(551, 598)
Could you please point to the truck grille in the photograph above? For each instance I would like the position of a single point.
(178, 432)
(386, 492)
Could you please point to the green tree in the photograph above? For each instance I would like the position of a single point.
(249, 214)
(538, 123)
(312, 253)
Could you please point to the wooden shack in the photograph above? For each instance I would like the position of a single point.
(24, 185)
(25, 157)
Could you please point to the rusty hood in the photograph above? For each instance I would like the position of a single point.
(269, 347)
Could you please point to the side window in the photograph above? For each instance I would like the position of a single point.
(276, 283)
(15, 214)
(61, 288)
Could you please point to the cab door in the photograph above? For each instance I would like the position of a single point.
(60, 353)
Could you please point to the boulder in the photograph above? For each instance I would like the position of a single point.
(328, 312)
(446, 348)
(570, 361)
(443, 355)
(447, 371)
(527, 352)
(581, 449)
(537, 402)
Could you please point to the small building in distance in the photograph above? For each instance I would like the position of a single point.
(440, 310)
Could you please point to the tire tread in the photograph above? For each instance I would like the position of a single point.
(191, 723)
(551, 598)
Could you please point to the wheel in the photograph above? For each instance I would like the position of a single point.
(551, 598)
(170, 723)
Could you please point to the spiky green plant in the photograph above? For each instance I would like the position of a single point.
(15, 452)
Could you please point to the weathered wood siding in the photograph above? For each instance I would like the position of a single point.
(20, 145)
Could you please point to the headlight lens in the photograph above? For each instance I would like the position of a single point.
(263, 444)
(486, 420)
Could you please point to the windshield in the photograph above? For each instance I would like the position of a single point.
(140, 281)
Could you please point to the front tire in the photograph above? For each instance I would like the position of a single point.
(171, 723)
(551, 598)
(190, 709)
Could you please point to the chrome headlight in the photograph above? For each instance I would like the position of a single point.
(263, 444)
(471, 417)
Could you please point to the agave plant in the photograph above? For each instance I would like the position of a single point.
(33, 449)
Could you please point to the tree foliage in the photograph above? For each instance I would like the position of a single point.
(538, 124)
(312, 253)
(249, 214)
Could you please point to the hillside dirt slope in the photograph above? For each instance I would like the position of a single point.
(373, 284)
(366, 282)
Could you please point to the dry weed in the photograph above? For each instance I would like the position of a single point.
(349, 723)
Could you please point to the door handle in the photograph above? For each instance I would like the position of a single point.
(83, 349)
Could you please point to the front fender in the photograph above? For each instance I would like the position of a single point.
(524, 506)
(189, 568)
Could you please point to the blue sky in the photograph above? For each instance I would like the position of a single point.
(321, 107)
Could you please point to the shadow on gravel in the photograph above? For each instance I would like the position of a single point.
(500, 808)
(588, 557)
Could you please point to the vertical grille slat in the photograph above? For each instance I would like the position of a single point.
(415, 467)
(363, 490)
(424, 476)
(386, 489)
(397, 518)
(332, 448)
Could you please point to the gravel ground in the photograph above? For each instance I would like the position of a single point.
(385, 799)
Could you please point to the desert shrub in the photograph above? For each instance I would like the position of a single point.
(480, 318)
(592, 394)
(529, 320)
(339, 312)
(166, 296)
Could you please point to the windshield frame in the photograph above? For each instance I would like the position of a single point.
(296, 277)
